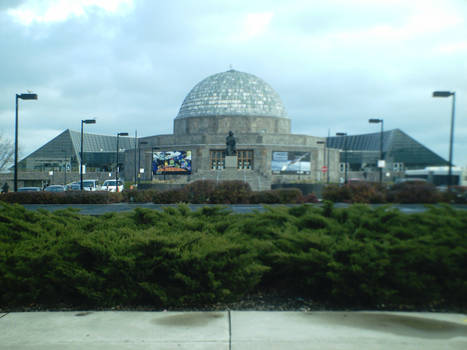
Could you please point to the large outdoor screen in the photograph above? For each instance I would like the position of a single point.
(291, 163)
(171, 162)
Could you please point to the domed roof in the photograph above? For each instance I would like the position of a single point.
(232, 93)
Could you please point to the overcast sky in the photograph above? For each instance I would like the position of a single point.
(335, 63)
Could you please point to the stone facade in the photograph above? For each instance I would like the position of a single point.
(253, 111)
(262, 145)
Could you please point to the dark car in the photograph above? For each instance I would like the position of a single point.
(29, 189)
(55, 188)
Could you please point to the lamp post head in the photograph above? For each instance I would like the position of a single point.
(27, 96)
(442, 93)
(143, 143)
(341, 134)
(374, 120)
(89, 121)
(122, 134)
(321, 142)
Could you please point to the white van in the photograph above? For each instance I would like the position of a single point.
(91, 185)
(109, 185)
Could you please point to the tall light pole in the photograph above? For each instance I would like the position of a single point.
(117, 167)
(345, 154)
(28, 96)
(81, 163)
(451, 138)
(64, 168)
(139, 159)
(381, 161)
(136, 170)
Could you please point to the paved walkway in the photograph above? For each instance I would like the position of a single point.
(232, 330)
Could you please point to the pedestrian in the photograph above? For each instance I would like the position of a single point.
(5, 187)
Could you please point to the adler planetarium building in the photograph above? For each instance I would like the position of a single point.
(265, 151)
(230, 126)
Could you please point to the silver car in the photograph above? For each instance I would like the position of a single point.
(29, 189)
(55, 188)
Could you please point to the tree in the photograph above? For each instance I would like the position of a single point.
(7, 151)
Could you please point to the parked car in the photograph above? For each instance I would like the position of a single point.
(109, 185)
(91, 185)
(29, 189)
(55, 188)
(88, 185)
(74, 186)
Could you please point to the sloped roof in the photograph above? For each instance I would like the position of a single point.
(100, 143)
(397, 146)
(69, 143)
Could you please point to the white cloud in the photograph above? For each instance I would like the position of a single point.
(454, 47)
(48, 11)
(335, 63)
(255, 24)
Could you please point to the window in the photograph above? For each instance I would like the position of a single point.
(245, 159)
(398, 167)
(217, 159)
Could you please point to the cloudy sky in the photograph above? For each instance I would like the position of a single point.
(335, 63)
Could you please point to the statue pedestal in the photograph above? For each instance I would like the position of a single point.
(231, 162)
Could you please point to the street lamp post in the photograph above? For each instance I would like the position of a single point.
(85, 121)
(345, 154)
(139, 159)
(451, 138)
(64, 168)
(117, 167)
(23, 97)
(136, 170)
(381, 161)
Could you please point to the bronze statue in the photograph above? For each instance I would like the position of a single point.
(230, 142)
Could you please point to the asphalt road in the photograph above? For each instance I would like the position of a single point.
(99, 209)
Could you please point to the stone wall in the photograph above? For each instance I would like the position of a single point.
(238, 124)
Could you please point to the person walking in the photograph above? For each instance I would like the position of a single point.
(5, 187)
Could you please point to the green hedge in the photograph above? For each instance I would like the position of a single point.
(202, 191)
(407, 192)
(354, 257)
(73, 197)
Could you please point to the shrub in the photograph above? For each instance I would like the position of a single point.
(364, 192)
(309, 198)
(200, 191)
(75, 197)
(231, 192)
(264, 197)
(353, 257)
(171, 196)
(414, 192)
(139, 196)
(458, 194)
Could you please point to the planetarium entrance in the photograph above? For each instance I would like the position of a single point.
(244, 159)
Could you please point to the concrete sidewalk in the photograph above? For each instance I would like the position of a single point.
(232, 330)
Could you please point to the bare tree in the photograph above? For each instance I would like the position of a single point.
(7, 151)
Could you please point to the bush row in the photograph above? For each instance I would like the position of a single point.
(238, 192)
(73, 197)
(407, 192)
(357, 257)
(203, 191)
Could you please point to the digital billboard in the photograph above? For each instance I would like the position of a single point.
(171, 162)
(291, 163)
